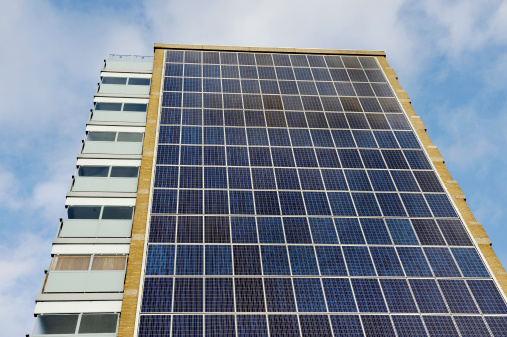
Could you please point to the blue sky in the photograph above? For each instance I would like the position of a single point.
(450, 56)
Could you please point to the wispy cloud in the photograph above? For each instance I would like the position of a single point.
(52, 52)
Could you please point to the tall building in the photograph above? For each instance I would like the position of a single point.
(233, 191)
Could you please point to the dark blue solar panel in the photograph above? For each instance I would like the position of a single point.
(316, 203)
(270, 230)
(347, 325)
(249, 295)
(162, 229)
(375, 231)
(246, 139)
(309, 295)
(275, 260)
(440, 326)
(401, 231)
(469, 262)
(427, 295)
(488, 297)
(303, 260)
(441, 262)
(471, 326)
(386, 261)
(457, 296)
(189, 229)
(243, 230)
(323, 231)
(377, 325)
(349, 231)
(498, 325)
(381, 180)
(220, 325)
(155, 325)
(216, 229)
(339, 295)
(218, 260)
(251, 326)
(247, 260)
(414, 261)
(297, 230)
(219, 295)
(398, 296)
(331, 261)
(358, 261)
(334, 180)
(157, 295)
(291, 204)
(188, 295)
(279, 295)
(366, 204)
(189, 260)
(315, 325)
(368, 295)
(410, 326)
(283, 325)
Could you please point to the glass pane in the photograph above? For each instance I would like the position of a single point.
(95, 136)
(84, 212)
(128, 172)
(108, 106)
(98, 323)
(114, 80)
(117, 212)
(130, 137)
(134, 107)
(139, 81)
(103, 262)
(71, 262)
(55, 324)
(93, 171)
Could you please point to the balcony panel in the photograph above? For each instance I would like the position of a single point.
(113, 147)
(85, 281)
(122, 65)
(81, 228)
(119, 116)
(124, 89)
(96, 184)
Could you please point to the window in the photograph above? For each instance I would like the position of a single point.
(76, 324)
(108, 171)
(82, 262)
(101, 136)
(137, 107)
(126, 81)
(100, 212)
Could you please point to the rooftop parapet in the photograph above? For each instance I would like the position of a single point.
(129, 63)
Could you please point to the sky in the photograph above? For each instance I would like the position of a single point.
(450, 57)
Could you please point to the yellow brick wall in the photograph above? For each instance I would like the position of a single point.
(135, 261)
(476, 229)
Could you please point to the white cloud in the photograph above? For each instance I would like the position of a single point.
(22, 263)
(9, 188)
(51, 57)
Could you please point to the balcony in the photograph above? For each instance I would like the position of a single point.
(129, 63)
(108, 184)
(77, 281)
(129, 143)
(95, 228)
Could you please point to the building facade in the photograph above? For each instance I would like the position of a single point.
(233, 191)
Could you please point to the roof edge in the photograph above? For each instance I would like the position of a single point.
(270, 50)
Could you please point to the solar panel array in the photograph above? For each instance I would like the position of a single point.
(292, 198)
